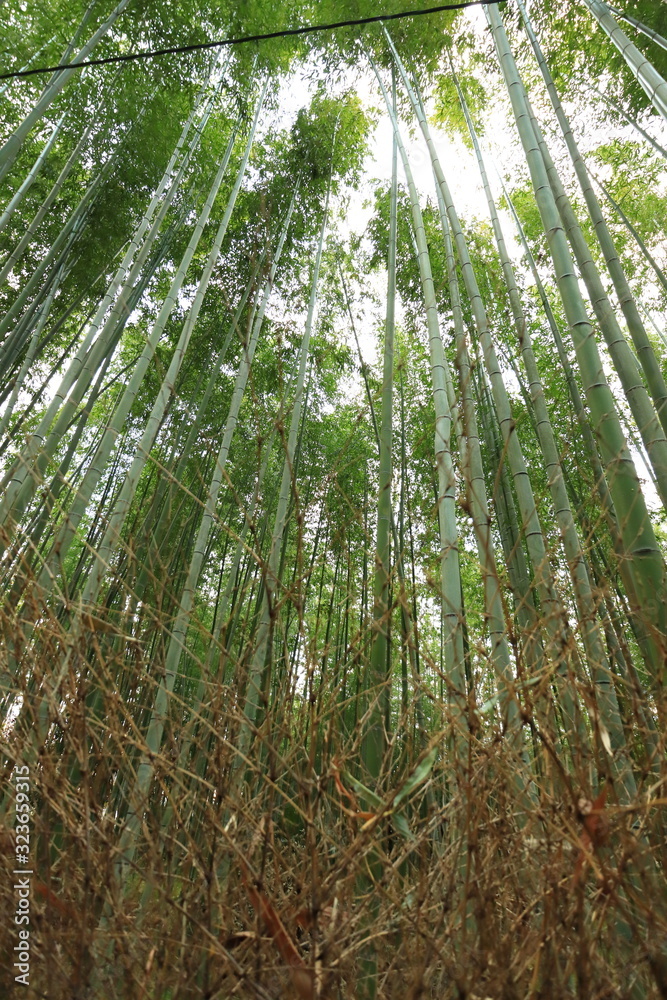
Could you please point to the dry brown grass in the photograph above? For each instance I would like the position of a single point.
(271, 886)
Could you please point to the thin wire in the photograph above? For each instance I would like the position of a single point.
(176, 49)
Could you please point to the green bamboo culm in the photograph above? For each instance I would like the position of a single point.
(446, 478)
(379, 673)
(594, 642)
(645, 73)
(12, 146)
(641, 549)
(643, 347)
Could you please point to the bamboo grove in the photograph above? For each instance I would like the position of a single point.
(333, 554)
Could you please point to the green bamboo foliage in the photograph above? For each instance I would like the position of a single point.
(12, 146)
(641, 245)
(641, 549)
(628, 118)
(38, 285)
(194, 124)
(32, 175)
(121, 286)
(34, 57)
(29, 358)
(643, 28)
(52, 564)
(34, 223)
(85, 490)
(104, 331)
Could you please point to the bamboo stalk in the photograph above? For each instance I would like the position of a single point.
(642, 69)
(641, 549)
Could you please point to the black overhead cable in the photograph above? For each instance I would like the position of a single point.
(176, 49)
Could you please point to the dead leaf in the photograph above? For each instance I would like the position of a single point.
(606, 739)
(302, 978)
(596, 830)
(52, 900)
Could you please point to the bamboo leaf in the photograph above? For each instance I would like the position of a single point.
(401, 824)
(366, 793)
(418, 776)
